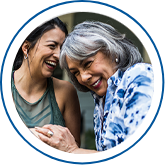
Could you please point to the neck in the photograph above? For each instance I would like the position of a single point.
(25, 81)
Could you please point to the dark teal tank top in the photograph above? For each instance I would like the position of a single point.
(44, 111)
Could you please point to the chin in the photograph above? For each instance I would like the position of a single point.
(47, 75)
(101, 93)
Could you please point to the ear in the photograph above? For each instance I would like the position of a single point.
(25, 47)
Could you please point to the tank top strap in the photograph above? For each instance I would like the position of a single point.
(57, 116)
(55, 111)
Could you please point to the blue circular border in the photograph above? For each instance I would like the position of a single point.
(100, 3)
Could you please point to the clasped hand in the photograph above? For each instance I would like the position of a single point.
(61, 139)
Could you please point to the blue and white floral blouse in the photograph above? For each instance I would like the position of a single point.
(128, 99)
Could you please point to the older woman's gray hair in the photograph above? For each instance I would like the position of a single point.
(88, 38)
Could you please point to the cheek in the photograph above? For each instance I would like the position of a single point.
(43, 51)
(79, 80)
(42, 56)
(96, 68)
(96, 71)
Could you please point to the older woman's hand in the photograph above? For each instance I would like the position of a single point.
(61, 139)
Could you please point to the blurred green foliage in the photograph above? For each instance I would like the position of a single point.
(90, 140)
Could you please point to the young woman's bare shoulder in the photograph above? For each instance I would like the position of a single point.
(62, 85)
(65, 94)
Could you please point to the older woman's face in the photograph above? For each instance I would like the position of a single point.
(93, 72)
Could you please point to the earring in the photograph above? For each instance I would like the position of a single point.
(25, 57)
(117, 60)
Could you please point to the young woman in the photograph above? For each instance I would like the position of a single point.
(101, 60)
(41, 99)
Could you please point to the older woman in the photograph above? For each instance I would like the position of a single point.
(41, 99)
(101, 60)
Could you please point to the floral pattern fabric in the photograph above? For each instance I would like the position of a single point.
(127, 101)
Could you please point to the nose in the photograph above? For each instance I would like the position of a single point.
(85, 77)
(56, 52)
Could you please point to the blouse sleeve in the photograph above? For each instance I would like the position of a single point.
(138, 108)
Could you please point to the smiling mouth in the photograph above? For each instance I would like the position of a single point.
(51, 64)
(96, 83)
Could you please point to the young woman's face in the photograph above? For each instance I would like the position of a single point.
(93, 72)
(44, 57)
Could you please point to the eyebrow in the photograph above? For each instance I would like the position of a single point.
(80, 63)
(52, 41)
(71, 69)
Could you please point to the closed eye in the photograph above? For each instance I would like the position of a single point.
(52, 46)
(76, 73)
(88, 64)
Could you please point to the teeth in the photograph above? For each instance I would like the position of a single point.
(52, 63)
(96, 83)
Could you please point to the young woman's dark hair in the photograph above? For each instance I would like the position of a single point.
(35, 35)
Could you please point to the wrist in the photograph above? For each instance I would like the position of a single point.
(75, 150)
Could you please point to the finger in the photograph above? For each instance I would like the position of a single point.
(44, 131)
(47, 126)
(44, 138)
(53, 128)
(50, 127)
